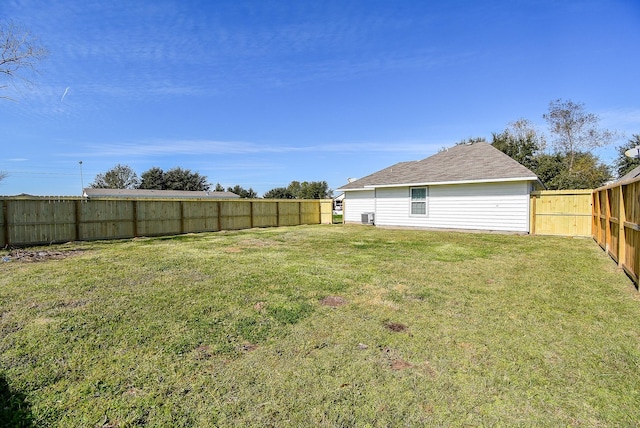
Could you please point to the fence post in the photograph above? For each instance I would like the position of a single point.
(251, 214)
(533, 214)
(77, 209)
(219, 215)
(135, 218)
(277, 214)
(5, 216)
(622, 218)
(594, 228)
(181, 216)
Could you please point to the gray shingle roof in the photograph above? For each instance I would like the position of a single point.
(140, 193)
(461, 163)
(631, 175)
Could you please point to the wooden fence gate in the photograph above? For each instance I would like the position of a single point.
(561, 212)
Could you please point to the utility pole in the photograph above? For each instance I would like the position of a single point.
(81, 180)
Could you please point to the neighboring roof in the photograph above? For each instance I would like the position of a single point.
(476, 162)
(139, 193)
(630, 176)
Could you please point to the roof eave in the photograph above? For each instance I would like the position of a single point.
(443, 183)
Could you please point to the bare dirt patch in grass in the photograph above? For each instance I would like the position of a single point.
(400, 364)
(72, 304)
(333, 301)
(203, 352)
(396, 327)
(394, 360)
(39, 256)
(248, 347)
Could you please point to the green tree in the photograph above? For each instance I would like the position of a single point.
(521, 142)
(294, 189)
(549, 166)
(587, 172)
(118, 177)
(20, 51)
(219, 188)
(574, 130)
(152, 179)
(304, 190)
(174, 179)
(183, 179)
(314, 190)
(278, 193)
(623, 164)
(242, 192)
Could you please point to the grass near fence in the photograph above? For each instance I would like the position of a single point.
(319, 326)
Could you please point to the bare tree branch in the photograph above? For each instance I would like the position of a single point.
(574, 129)
(20, 52)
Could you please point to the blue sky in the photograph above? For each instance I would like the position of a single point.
(260, 93)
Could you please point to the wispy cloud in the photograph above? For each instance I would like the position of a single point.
(213, 147)
(164, 48)
(623, 117)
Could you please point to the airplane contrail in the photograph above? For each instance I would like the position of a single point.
(65, 93)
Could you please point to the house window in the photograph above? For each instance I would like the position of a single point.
(419, 201)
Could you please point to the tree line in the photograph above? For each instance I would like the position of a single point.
(124, 177)
(569, 164)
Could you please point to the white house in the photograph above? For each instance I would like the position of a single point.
(469, 186)
(337, 203)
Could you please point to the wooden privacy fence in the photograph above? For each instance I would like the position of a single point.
(616, 223)
(45, 220)
(561, 212)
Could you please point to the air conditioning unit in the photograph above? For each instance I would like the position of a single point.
(367, 218)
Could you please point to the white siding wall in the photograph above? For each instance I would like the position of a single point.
(393, 207)
(356, 203)
(488, 206)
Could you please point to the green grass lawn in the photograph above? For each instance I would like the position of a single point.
(320, 326)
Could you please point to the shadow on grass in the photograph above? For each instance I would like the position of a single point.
(14, 410)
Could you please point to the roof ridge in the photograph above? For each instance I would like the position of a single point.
(479, 161)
